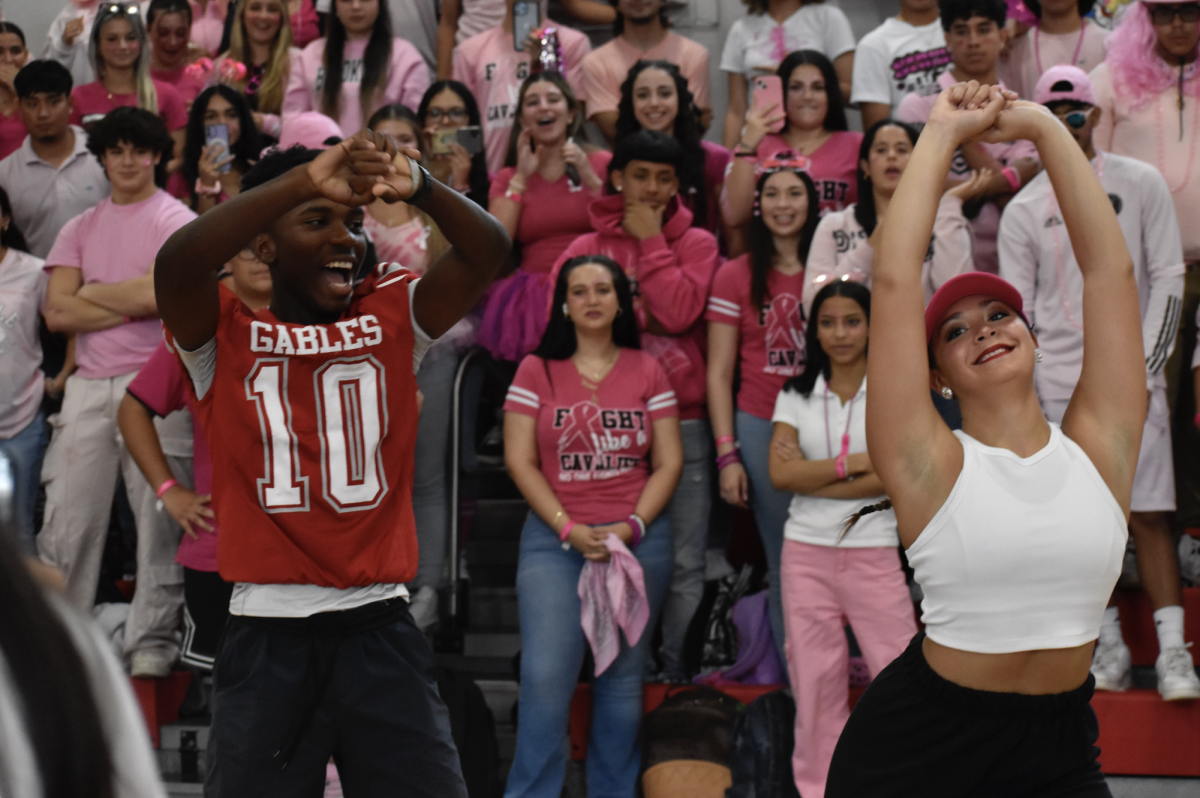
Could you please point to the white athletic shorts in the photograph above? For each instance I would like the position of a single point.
(1154, 482)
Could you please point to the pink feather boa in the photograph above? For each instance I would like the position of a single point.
(1138, 72)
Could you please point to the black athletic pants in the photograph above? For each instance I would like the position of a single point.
(357, 685)
(915, 734)
(205, 611)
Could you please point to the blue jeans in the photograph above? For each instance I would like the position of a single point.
(770, 507)
(431, 507)
(26, 449)
(552, 651)
(690, 509)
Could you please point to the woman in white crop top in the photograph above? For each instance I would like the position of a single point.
(1014, 526)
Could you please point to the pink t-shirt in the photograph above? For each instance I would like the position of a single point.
(594, 446)
(834, 167)
(188, 85)
(407, 80)
(92, 101)
(12, 134)
(606, 67)
(553, 214)
(493, 71)
(101, 243)
(161, 386)
(22, 294)
(406, 244)
(1035, 52)
(770, 340)
(1155, 134)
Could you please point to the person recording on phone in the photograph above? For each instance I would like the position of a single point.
(222, 144)
(493, 64)
(448, 107)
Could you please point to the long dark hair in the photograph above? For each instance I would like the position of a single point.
(11, 236)
(478, 178)
(686, 131)
(574, 127)
(376, 60)
(48, 673)
(244, 151)
(816, 359)
(864, 207)
(8, 27)
(835, 113)
(559, 342)
(762, 240)
(157, 7)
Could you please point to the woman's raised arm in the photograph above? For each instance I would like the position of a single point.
(913, 451)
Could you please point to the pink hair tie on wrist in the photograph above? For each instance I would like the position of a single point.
(566, 531)
(724, 439)
(1014, 179)
(163, 488)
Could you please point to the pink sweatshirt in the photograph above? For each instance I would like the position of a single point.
(915, 109)
(1152, 135)
(407, 80)
(672, 274)
(840, 251)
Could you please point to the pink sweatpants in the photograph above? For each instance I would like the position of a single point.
(824, 588)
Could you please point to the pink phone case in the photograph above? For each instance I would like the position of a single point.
(768, 90)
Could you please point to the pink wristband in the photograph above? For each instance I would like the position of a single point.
(566, 531)
(166, 486)
(1012, 177)
(840, 462)
(724, 439)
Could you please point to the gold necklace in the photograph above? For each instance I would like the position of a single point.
(596, 377)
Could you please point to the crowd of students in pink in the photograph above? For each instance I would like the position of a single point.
(739, 241)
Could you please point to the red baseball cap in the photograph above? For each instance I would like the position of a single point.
(970, 284)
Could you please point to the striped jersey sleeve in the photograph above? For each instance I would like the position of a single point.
(662, 402)
(524, 395)
(730, 292)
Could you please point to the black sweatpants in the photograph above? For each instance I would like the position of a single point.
(357, 685)
(205, 611)
(914, 733)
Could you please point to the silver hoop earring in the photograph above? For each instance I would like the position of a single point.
(566, 313)
(947, 393)
(1037, 355)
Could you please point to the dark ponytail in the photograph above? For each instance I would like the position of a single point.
(11, 236)
(61, 719)
(878, 507)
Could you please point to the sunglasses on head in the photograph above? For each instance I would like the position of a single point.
(1165, 15)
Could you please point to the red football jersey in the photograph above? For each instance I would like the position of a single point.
(312, 429)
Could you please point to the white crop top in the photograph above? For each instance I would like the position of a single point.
(1024, 553)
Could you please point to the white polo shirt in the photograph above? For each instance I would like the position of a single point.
(44, 197)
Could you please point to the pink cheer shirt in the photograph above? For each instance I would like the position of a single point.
(12, 134)
(594, 446)
(770, 340)
(489, 66)
(407, 80)
(161, 386)
(92, 101)
(606, 68)
(833, 167)
(110, 243)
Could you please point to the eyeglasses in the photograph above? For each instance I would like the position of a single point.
(453, 114)
(1165, 15)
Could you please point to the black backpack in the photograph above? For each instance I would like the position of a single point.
(694, 723)
(761, 760)
(474, 731)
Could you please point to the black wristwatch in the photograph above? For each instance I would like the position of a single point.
(424, 187)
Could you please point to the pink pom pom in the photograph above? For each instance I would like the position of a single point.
(233, 71)
(199, 69)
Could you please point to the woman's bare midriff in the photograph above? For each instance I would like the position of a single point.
(1042, 672)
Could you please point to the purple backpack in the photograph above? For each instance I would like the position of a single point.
(757, 660)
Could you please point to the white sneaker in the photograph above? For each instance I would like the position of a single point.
(1177, 679)
(1189, 558)
(1112, 665)
(150, 665)
(423, 606)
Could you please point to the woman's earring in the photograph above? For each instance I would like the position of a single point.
(1037, 355)
(566, 313)
(947, 393)
(620, 311)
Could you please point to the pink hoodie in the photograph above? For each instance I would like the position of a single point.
(671, 273)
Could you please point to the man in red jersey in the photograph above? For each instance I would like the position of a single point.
(311, 414)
